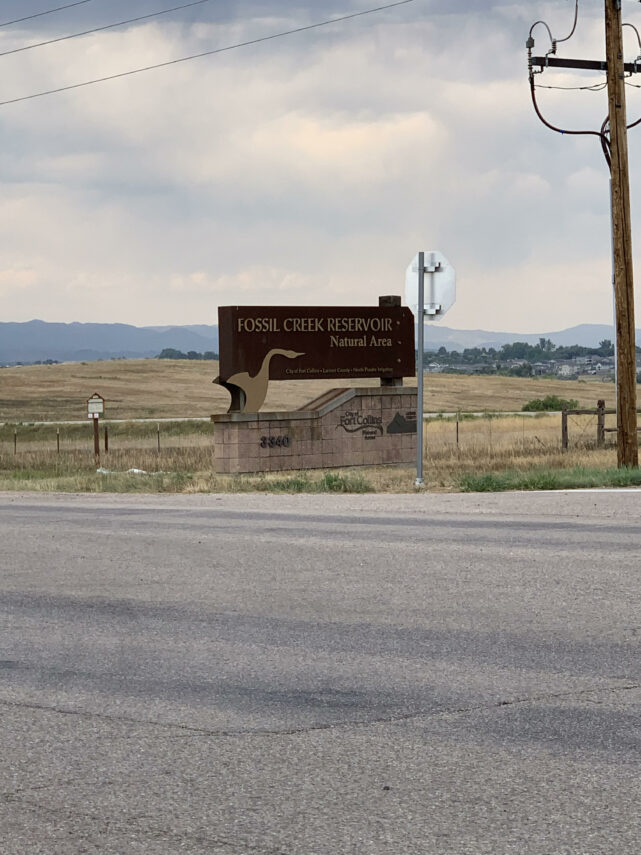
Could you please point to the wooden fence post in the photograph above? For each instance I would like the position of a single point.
(564, 428)
(600, 424)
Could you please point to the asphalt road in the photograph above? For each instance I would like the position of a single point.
(320, 675)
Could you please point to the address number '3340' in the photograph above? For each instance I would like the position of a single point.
(275, 442)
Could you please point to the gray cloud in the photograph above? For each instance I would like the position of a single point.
(308, 169)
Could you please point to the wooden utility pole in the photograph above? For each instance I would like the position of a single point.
(627, 447)
(617, 155)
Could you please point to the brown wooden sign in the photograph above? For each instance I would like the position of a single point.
(259, 343)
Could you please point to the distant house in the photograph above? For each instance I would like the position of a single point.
(604, 366)
(541, 368)
(468, 368)
(566, 369)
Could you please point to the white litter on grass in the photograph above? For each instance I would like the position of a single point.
(102, 471)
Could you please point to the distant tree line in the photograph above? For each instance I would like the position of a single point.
(37, 362)
(544, 351)
(171, 353)
(492, 360)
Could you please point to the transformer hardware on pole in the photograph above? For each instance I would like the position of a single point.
(613, 138)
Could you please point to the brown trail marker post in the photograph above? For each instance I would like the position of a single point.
(95, 409)
(96, 438)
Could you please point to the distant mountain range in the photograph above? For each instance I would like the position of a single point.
(34, 341)
(38, 340)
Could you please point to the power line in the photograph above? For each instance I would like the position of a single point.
(603, 139)
(554, 41)
(595, 87)
(632, 27)
(543, 24)
(105, 27)
(576, 19)
(47, 12)
(205, 53)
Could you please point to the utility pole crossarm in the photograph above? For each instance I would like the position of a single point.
(581, 64)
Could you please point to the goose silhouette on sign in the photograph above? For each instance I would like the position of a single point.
(254, 388)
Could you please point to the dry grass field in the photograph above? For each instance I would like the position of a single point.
(189, 470)
(152, 388)
(60, 457)
(184, 462)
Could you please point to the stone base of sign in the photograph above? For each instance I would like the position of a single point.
(344, 427)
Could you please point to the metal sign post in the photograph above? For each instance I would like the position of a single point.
(420, 313)
(442, 296)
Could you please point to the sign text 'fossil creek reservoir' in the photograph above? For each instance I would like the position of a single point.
(321, 342)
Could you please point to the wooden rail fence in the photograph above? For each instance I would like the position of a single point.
(601, 411)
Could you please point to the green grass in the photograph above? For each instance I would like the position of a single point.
(549, 403)
(548, 479)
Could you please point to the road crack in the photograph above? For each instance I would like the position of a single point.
(186, 730)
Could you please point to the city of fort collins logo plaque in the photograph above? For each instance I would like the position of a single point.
(369, 425)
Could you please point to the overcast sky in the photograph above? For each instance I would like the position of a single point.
(304, 170)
